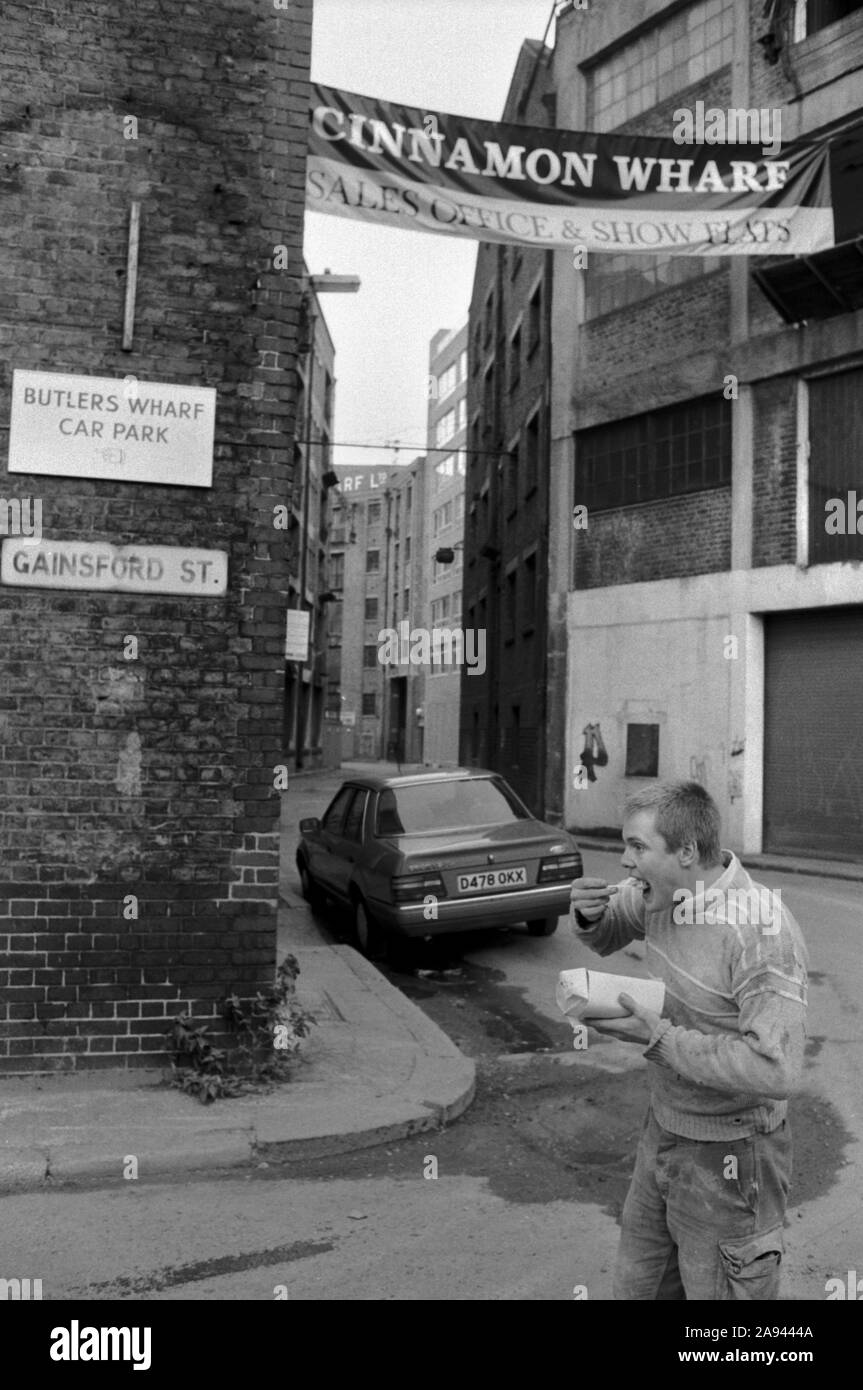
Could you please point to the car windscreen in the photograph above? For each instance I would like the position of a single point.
(458, 805)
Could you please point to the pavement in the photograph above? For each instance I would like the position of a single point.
(375, 1069)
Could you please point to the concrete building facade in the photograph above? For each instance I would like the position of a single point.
(376, 572)
(443, 528)
(310, 740)
(142, 730)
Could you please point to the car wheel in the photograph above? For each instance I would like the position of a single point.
(542, 926)
(310, 890)
(369, 937)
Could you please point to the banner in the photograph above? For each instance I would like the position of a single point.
(532, 186)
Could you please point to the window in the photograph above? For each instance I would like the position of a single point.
(456, 802)
(409, 499)
(510, 483)
(617, 280)
(462, 366)
(642, 750)
(510, 597)
(515, 359)
(461, 414)
(812, 15)
(446, 382)
(371, 609)
(685, 448)
(488, 317)
(370, 702)
(450, 467)
(488, 395)
(534, 319)
(373, 512)
(835, 421)
(370, 656)
(407, 549)
(445, 428)
(529, 617)
(337, 570)
(440, 610)
(455, 608)
(334, 817)
(531, 454)
(373, 561)
(670, 56)
(459, 507)
(353, 828)
(406, 602)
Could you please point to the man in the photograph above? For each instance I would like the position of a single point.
(703, 1217)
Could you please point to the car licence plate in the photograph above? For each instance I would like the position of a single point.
(491, 878)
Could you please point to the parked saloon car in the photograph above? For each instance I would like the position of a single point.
(436, 852)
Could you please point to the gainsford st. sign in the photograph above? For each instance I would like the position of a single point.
(137, 569)
(110, 427)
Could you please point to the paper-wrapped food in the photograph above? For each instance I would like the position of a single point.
(586, 994)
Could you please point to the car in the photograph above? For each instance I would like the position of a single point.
(431, 853)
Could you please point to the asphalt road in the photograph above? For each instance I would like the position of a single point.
(519, 1199)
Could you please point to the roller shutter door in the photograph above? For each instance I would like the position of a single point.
(813, 739)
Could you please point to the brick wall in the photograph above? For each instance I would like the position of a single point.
(150, 777)
(774, 473)
(666, 539)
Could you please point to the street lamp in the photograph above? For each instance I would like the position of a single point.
(314, 285)
(446, 554)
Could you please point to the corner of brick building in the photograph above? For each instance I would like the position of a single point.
(139, 827)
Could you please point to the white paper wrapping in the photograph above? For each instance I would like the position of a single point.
(586, 994)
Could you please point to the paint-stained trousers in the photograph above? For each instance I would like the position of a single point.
(703, 1220)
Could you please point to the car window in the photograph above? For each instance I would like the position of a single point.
(354, 819)
(463, 803)
(335, 815)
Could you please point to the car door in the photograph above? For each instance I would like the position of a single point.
(350, 843)
(325, 863)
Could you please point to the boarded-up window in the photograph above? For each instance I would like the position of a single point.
(835, 469)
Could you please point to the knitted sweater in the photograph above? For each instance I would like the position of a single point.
(729, 1048)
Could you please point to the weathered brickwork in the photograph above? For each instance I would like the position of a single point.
(655, 540)
(774, 472)
(151, 777)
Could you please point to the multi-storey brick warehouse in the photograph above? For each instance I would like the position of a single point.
(701, 414)
(139, 808)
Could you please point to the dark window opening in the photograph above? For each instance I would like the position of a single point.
(642, 750)
(665, 453)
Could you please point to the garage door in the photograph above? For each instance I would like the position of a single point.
(813, 744)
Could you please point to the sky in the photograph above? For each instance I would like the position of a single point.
(443, 55)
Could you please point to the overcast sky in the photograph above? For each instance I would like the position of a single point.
(444, 55)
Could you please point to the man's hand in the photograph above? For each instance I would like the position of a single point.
(639, 1026)
(590, 897)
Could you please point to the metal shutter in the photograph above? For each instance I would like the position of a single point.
(813, 741)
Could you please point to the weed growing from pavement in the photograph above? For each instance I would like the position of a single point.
(268, 1031)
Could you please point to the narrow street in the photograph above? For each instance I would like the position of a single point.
(498, 1205)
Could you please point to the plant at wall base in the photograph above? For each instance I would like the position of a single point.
(268, 1032)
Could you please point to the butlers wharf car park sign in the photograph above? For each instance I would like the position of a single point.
(109, 427)
(529, 185)
(128, 569)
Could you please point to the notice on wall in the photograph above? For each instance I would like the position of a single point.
(112, 427)
(128, 569)
(297, 635)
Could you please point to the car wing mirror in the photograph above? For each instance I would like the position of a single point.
(310, 824)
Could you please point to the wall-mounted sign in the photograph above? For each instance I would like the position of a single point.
(349, 718)
(297, 635)
(130, 569)
(110, 427)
